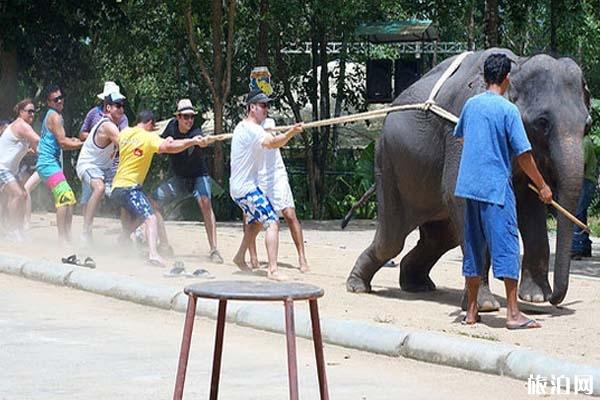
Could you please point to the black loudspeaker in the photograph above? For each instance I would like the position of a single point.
(379, 81)
(406, 72)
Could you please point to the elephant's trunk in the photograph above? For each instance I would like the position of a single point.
(569, 171)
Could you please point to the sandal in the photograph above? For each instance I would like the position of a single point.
(201, 273)
(74, 260)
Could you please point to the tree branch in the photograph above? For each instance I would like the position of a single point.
(189, 27)
(231, 12)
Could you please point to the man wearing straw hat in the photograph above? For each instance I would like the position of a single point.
(190, 173)
(248, 146)
(493, 133)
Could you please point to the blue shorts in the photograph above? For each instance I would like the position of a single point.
(133, 200)
(177, 187)
(491, 227)
(257, 208)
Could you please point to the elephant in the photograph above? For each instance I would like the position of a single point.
(416, 166)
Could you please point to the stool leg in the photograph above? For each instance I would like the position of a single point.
(216, 370)
(185, 347)
(290, 334)
(318, 342)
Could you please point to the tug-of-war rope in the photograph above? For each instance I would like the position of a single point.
(428, 105)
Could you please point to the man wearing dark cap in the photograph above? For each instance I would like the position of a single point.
(190, 173)
(96, 157)
(248, 146)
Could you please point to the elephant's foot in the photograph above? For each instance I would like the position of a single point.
(486, 301)
(535, 292)
(355, 284)
(415, 282)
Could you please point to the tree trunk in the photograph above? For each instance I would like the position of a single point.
(218, 160)
(554, 21)
(491, 23)
(341, 85)
(471, 27)
(8, 82)
(311, 162)
(262, 58)
(325, 108)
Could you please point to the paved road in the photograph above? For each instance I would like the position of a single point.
(60, 343)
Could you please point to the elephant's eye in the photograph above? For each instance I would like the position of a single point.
(541, 125)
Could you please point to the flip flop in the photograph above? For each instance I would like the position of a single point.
(201, 273)
(464, 320)
(529, 324)
(175, 272)
(74, 260)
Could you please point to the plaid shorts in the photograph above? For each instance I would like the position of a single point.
(257, 208)
(6, 177)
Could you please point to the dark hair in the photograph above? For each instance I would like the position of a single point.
(20, 106)
(51, 88)
(495, 68)
(145, 116)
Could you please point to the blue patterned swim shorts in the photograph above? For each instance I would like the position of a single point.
(257, 208)
(133, 200)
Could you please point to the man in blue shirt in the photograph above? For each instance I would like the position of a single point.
(492, 132)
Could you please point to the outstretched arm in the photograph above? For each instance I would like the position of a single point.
(171, 146)
(277, 141)
(527, 164)
(56, 127)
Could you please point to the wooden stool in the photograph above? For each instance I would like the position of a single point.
(253, 291)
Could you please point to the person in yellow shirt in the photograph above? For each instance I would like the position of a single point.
(137, 147)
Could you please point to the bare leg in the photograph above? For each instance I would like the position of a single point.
(250, 234)
(514, 317)
(210, 222)
(472, 290)
(15, 207)
(289, 214)
(29, 186)
(251, 249)
(64, 216)
(152, 236)
(272, 244)
(97, 186)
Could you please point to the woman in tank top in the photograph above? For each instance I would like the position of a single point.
(16, 140)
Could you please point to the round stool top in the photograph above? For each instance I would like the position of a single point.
(250, 290)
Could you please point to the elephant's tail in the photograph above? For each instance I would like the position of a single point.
(358, 204)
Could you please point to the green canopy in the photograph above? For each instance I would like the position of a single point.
(411, 30)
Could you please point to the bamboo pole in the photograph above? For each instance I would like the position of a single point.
(563, 211)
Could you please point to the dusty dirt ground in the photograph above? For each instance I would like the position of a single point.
(571, 331)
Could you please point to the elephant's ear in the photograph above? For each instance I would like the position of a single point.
(587, 96)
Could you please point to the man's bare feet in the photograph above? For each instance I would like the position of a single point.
(241, 264)
(254, 264)
(303, 265)
(522, 322)
(276, 276)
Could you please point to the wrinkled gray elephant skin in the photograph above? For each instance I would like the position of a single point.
(417, 161)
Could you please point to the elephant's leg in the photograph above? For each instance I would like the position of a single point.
(436, 238)
(485, 298)
(531, 216)
(392, 229)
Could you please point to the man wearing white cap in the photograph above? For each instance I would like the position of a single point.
(96, 157)
(190, 173)
(94, 115)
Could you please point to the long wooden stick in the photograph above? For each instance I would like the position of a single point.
(563, 211)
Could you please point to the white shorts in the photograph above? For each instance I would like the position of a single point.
(280, 195)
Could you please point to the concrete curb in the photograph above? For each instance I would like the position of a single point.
(433, 347)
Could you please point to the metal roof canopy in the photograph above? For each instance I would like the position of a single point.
(410, 30)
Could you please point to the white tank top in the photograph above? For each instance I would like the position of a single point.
(93, 156)
(12, 150)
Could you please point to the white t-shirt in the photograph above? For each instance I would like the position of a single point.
(247, 158)
(273, 168)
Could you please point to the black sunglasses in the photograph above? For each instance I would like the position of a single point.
(118, 105)
(58, 98)
(187, 116)
(30, 112)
